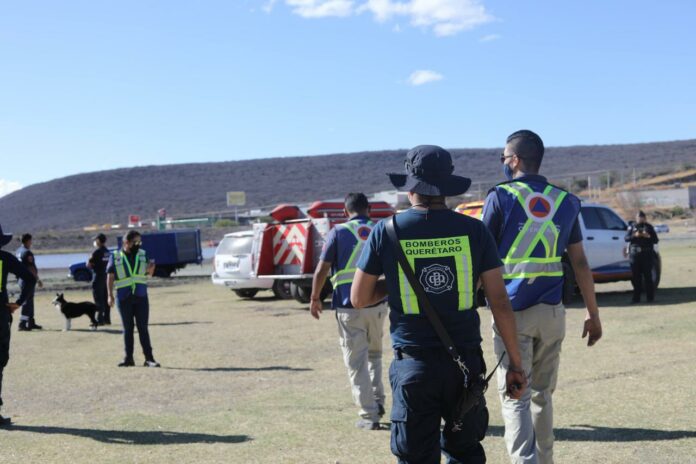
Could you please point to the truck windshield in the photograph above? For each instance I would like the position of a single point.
(235, 246)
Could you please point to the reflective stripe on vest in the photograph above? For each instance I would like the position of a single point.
(437, 278)
(519, 264)
(2, 276)
(127, 276)
(346, 275)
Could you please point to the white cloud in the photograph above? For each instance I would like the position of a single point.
(321, 8)
(489, 38)
(268, 6)
(8, 186)
(424, 76)
(443, 17)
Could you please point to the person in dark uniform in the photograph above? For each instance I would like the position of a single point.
(10, 265)
(128, 271)
(97, 263)
(449, 253)
(26, 257)
(642, 239)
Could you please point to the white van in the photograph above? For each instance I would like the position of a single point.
(233, 268)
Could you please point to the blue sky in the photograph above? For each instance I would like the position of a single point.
(88, 85)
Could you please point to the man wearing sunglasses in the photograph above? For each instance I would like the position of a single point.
(535, 224)
(128, 271)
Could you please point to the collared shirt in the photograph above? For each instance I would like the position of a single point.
(645, 243)
(100, 260)
(26, 257)
(11, 265)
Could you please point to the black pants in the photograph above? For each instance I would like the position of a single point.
(5, 325)
(426, 385)
(28, 306)
(101, 299)
(642, 266)
(135, 311)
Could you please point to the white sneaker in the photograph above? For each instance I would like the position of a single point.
(151, 363)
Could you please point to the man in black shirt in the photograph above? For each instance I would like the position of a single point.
(26, 257)
(97, 263)
(642, 238)
(10, 265)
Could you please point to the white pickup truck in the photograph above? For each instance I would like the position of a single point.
(603, 234)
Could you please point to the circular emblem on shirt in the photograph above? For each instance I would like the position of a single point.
(437, 278)
(539, 207)
(364, 232)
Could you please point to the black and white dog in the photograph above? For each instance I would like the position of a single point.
(72, 310)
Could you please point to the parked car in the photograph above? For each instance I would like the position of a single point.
(233, 268)
(172, 250)
(661, 228)
(603, 233)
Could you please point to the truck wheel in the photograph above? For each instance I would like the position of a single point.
(568, 284)
(83, 275)
(300, 293)
(163, 271)
(281, 289)
(246, 293)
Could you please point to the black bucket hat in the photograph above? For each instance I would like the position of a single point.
(4, 238)
(429, 172)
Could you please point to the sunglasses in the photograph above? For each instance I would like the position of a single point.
(503, 157)
(136, 243)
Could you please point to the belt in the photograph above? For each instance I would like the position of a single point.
(415, 352)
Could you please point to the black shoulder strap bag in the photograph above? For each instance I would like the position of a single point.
(473, 390)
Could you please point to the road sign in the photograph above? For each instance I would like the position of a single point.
(236, 198)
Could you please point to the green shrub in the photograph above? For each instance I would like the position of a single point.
(678, 211)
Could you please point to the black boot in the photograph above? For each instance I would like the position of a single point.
(5, 421)
(128, 362)
(33, 325)
(24, 326)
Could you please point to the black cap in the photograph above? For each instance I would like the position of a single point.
(100, 237)
(429, 172)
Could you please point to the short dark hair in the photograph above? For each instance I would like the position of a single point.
(130, 235)
(641, 213)
(26, 238)
(356, 203)
(528, 147)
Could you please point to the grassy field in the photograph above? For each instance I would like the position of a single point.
(261, 381)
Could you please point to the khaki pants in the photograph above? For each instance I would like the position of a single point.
(360, 332)
(529, 420)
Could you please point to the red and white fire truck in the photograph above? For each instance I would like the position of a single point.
(288, 249)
